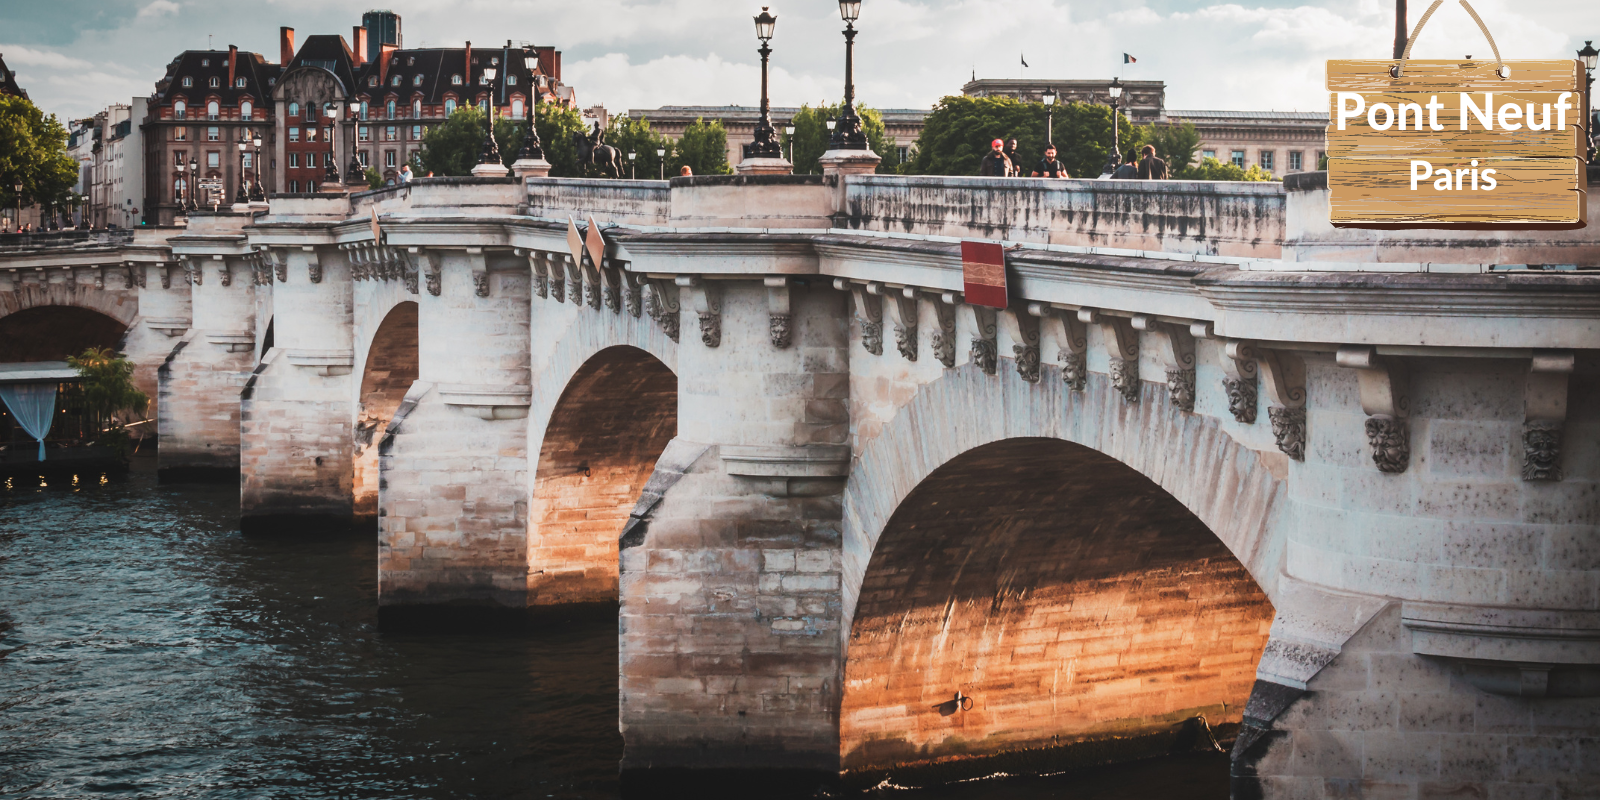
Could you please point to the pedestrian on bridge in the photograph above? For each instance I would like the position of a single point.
(1049, 166)
(1129, 169)
(995, 164)
(1152, 168)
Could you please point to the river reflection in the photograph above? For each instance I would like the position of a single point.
(148, 650)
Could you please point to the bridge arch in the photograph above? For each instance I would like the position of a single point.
(51, 322)
(389, 368)
(604, 406)
(1080, 568)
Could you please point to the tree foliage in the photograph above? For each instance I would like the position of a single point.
(1174, 144)
(33, 152)
(957, 134)
(1211, 169)
(703, 148)
(811, 135)
(105, 391)
(452, 148)
(638, 137)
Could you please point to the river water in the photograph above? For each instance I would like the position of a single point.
(148, 650)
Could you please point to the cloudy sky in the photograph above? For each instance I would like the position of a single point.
(76, 56)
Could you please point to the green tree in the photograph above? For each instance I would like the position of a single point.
(1211, 169)
(636, 136)
(452, 148)
(703, 148)
(106, 390)
(556, 125)
(811, 137)
(1174, 144)
(33, 152)
(957, 133)
(374, 178)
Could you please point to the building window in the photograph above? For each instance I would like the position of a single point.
(494, 62)
(213, 110)
(391, 134)
(395, 81)
(411, 61)
(247, 111)
(1268, 158)
(294, 187)
(1320, 156)
(449, 106)
(180, 134)
(294, 134)
(205, 62)
(364, 133)
(188, 81)
(1208, 154)
(294, 109)
(363, 109)
(511, 80)
(327, 134)
(1237, 158)
(311, 113)
(455, 80)
(177, 158)
(180, 110)
(239, 83)
(216, 82)
(417, 81)
(364, 158)
(213, 159)
(212, 134)
(179, 189)
(311, 159)
(416, 109)
(388, 158)
(516, 107)
(372, 80)
(905, 153)
(249, 160)
(1295, 162)
(390, 109)
(483, 80)
(294, 159)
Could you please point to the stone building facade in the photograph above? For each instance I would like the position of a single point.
(901, 124)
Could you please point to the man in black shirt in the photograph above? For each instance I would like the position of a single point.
(1129, 169)
(1048, 166)
(1152, 168)
(995, 164)
(1014, 158)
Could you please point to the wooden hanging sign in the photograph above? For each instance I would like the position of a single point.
(1452, 144)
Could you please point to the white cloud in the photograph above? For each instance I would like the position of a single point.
(49, 59)
(616, 82)
(158, 8)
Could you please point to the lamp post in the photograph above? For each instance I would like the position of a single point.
(788, 131)
(632, 173)
(849, 135)
(1115, 159)
(258, 193)
(242, 197)
(17, 188)
(354, 172)
(765, 143)
(1589, 56)
(1049, 115)
(489, 153)
(194, 190)
(661, 158)
(532, 148)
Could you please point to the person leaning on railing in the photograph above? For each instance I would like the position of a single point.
(995, 164)
(1049, 167)
(1152, 168)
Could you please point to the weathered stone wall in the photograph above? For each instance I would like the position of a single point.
(1067, 596)
(204, 372)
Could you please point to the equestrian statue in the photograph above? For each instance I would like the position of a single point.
(592, 149)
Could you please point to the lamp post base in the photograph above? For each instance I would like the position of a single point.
(848, 162)
(495, 170)
(764, 166)
(331, 187)
(528, 168)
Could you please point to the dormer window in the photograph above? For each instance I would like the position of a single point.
(395, 81)
(417, 81)
(188, 81)
(449, 106)
(205, 62)
(239, 83)
(411, 61)
(394, 62)
(511, 80)
(390, 109)
(212, 110)
(416, 109)
(247, 111)
(372, 80)
(494, 62)
(180, 110)
(455, 80)
(216, 82)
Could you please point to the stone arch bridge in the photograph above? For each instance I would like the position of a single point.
(1331, 491)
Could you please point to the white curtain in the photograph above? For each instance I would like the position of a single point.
(33, 405)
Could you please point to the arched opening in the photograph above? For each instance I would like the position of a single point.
(51, 333)
(390, 370)
(1076, 605)
(613, 420)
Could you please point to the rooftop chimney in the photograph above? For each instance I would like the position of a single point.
(233, 63)
(285, 46)
(358, 42)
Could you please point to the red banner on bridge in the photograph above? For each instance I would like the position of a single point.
(983, 274)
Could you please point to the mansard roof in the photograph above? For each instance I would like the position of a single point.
(436, 66)
(202, 65)
(8, 82)
(330, 52)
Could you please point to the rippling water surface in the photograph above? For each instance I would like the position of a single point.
(148, 650)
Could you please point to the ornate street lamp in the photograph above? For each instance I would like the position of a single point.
(766, 143)
(354, 173)
(632, 173)
(1049, 115)
(1115, 159)
(788, 131)
(258, 193)
(194, 189)
(849, 135)
(490, 152)
(661, 158)
(532, 148)
(17, 188)
(1590, 58)
(242, 197)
